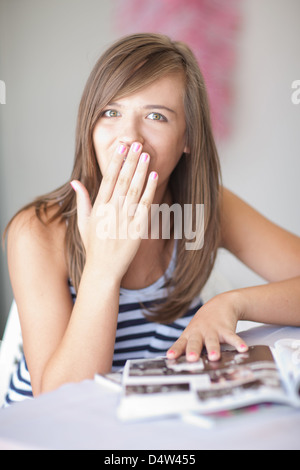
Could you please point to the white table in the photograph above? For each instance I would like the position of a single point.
(83, 416)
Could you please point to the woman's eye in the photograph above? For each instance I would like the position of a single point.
(111, 113)
(156, 117)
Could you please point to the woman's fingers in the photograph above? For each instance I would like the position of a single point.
(191, 346)
(127, 172)
(178, 348)
(124, 176)
(111, 175)
(235, 341)
(138, 213)
(148, 195)
(213, 347)
(138, 180)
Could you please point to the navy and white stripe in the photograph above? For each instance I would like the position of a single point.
(20, 384)
(136, 337)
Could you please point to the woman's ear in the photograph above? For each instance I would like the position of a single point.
(187, 150)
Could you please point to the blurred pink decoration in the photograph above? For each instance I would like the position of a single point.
(209, 27)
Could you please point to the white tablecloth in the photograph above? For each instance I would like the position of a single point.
(83, 416)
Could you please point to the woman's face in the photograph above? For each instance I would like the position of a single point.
(153, 117)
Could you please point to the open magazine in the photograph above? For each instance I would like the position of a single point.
(159, 386)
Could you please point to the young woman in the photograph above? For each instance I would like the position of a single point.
(87, 302)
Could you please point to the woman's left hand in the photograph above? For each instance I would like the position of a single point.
(213, 324)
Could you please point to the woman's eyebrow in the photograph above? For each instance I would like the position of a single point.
(159, 106)
(114, 103)
(148, 106)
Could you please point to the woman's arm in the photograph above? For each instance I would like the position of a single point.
(61, 343)
(271, 252)
(263, 246)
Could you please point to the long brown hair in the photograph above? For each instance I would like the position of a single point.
(127, 66)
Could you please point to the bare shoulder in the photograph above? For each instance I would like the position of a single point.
(27, 222)
(265, 247)
(34, 241)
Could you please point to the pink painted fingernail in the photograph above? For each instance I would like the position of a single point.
(121, 149)
(171, 353)
(213, 356)
(144, 157)
(153, 175)
(136, 147)
(243, 346)
(192, 355)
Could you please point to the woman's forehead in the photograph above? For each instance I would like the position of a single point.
(168, 87)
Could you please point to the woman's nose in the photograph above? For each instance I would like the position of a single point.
(131, 132)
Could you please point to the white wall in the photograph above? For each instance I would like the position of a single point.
(48, 47)
(261, 161)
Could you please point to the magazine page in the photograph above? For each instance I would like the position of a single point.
(232, 416)
(287, 355)
(155, 387)
(111, 381)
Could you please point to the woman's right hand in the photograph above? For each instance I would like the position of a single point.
(112, 229)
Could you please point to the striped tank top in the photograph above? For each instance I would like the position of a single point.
(136, 337)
